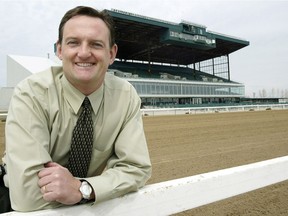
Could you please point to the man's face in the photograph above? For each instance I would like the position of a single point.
(85, 52)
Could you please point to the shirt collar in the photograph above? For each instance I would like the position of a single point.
(75, 98)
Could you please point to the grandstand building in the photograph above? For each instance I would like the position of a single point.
(175, 64)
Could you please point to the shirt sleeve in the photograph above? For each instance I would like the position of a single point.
(129, 168)
(27, 149)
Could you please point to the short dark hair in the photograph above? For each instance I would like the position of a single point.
(88, 11)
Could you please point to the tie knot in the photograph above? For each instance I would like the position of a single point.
(86, 102)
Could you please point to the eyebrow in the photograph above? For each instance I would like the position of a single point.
(70, 38)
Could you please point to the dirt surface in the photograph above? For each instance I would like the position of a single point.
(187, 145)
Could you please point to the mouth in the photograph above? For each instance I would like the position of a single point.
(84, 64)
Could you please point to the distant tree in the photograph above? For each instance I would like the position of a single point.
(278, 93)
(263, 93)
(273, 93)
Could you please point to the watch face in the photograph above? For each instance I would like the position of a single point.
(86, 190)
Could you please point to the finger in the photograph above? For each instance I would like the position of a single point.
(43, 189)
(44, 181)
(45, 177)
(48, 169)
(44, 172)
(51, 164)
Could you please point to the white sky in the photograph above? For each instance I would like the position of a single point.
(29, 27)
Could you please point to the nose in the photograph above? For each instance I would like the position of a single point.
(84, 51)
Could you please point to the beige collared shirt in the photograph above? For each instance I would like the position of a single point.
(41, 117)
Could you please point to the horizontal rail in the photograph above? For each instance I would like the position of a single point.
(178, 195)
(3, 116)
(199, 110)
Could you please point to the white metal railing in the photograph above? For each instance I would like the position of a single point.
(178, 195)
(3, 116)
(199, 110)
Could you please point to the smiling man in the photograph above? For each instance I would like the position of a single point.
(47, 164)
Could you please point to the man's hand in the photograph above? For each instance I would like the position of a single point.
(58, 184)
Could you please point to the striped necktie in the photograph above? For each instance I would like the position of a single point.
(82, 142)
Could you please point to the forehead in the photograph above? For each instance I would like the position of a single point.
(82, 25)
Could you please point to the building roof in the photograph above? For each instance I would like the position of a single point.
(147, 39)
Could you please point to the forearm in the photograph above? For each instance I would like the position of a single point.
(25, 194)
(118, 181)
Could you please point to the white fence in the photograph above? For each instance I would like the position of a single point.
(200, 110)
(3, 116)
(178, 195)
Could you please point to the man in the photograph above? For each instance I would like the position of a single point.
(45, 108)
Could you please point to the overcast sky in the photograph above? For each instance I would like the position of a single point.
(29, 27)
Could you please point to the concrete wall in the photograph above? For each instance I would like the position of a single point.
(19, 67)
(5, 97)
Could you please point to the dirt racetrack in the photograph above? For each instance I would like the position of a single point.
(186, 145)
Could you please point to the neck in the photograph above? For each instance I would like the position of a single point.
(87, 89)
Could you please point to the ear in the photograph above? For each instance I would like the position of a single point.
(59, 50)
(113, 53)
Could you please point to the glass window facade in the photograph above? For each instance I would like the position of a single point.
(188, 89)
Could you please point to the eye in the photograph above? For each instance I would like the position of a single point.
(72, 43)
(97, 45)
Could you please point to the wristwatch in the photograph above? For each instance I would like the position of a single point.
(86, 191)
